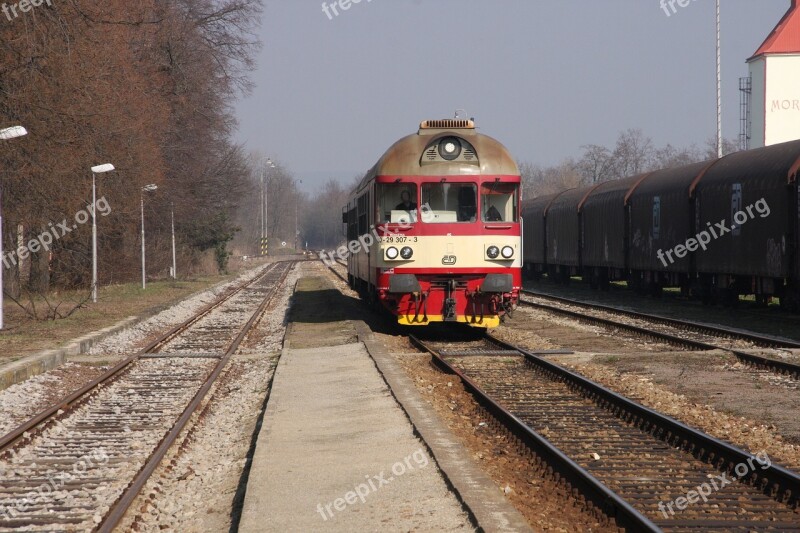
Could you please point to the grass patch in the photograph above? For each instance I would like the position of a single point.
(24, 335)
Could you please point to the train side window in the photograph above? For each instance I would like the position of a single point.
(363, 201)
(396, 203)
(500, 202)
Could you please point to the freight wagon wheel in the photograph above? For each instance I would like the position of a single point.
(656, 290)
(730, 298)
(635, 283)
(790, 301)
(762, 301)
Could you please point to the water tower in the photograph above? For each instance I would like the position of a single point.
(771, 95)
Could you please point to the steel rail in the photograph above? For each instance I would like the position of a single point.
(757, 361)
(335, 273)
(589, 486)
(127, 499)
(779, 483)
(759, 339)
(72, 400)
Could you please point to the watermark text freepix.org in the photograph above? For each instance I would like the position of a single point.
(721, 228)
(669, 5)
(715, 484)
(335, 8)
(55, 232)
(23, 6)
(373, 483)
(365, 242)
(54, 483)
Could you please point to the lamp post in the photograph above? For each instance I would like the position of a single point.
(5, 135)
(147, 188)
(296, 229)
(99, 169)
(265, 206)
(719, 88)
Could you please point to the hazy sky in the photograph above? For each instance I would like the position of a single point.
(542, 76)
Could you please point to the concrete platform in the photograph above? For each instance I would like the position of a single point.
(337, 453)
(492, 511)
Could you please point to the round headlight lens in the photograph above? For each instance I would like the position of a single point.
(450, 149)
(392, 253)
(508, 252)
(493, 252)
(406, 252)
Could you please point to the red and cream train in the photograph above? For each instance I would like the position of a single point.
(440, 216)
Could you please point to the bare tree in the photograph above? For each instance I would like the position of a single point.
(597, 164)
(633, 153)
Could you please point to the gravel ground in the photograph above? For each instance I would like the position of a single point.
(717, 340)
(771, 321)
(144, 402)
(752, 409)
(22, 401)
(692, 406)
(546, 505)
(547, 331)
(130, 340)
(712, 391)
(202, 484)
(196, 487)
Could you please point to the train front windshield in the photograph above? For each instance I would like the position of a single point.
(500, 202)
(397, 203)
(449, 202)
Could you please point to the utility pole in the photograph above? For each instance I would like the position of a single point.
(719, 86)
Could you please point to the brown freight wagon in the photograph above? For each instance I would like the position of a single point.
(563, 234)
(661, 217)
(535, 235)
(605, 228)
(748, 200)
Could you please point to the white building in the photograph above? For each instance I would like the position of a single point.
(775, 78)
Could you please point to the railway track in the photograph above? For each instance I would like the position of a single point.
(629, 461)
(672, 331)
(336, 272)
(81, 464)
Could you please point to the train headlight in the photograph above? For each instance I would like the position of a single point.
(508, 252)
(392, 253)
(450, 149)
(406, 252)
(493, 252)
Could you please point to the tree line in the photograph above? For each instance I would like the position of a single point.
(634, 153)
(147, 86)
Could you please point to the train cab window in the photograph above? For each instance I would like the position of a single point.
(444, 203)
(499, 202)
(396, 203)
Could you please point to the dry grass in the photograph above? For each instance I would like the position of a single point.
(23, 335)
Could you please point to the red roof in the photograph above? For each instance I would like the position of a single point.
(785, 38)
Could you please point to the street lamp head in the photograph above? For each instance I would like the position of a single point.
(150, 188)
(12, 133)
(99, 169)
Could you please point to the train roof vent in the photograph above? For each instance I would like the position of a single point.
(447, 124)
